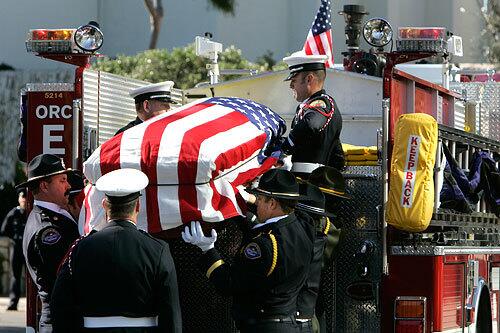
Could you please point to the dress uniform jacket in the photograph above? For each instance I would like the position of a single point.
(13, 228)
(267, 274)
(134, 122)
(118, 271)
(47, 237)
(315, 132)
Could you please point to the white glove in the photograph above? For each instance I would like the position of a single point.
(249, 198)
(287, 162)
(196, 237)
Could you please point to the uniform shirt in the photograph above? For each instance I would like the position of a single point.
(118, 271)
(134, 122)
(47, 237)
(315, 132)
(268, 271)
(13, 225)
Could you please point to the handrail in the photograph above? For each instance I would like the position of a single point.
(472, 139)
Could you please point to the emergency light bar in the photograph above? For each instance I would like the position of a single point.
(50, 40)
(410, 33)
(422, 39)
(86, 39)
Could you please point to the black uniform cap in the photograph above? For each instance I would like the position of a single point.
(43, 166)
(277, 183)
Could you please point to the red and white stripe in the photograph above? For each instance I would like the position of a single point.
(320, 44)
(200, 153)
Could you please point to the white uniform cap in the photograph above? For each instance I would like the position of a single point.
(159, 91)
(122, 185)
(300, 61)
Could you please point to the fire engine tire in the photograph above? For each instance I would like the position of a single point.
(483, 323)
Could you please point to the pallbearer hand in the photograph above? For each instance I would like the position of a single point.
(194, 235)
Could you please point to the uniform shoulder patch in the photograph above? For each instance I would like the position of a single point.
(50, 236)
(319, 103)
(252, 251)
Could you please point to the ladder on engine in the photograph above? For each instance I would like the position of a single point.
(481, 227)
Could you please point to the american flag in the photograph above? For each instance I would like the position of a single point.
(195, 157)
(319, 38)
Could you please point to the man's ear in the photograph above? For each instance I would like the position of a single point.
(104, 203)
(137, 207)
(310, 78)
(43, 186)
(145, 106)
(274, 203)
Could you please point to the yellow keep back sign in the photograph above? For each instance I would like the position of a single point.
(411, 189)
(410, 172)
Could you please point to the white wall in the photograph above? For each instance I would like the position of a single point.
(257, 26)
(468, 23)
(17, 17)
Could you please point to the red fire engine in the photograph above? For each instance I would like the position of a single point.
(445, 278)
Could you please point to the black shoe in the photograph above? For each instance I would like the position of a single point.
(12, 307)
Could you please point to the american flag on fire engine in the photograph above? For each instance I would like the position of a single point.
(319, 38)
(195, 157)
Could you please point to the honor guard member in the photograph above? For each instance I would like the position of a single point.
(314, 138)
(119, 279)
(76, 193)
(272, 263)
(50, 228)
(13, 228)
(150, 101)
(332, 184)
(313, 205)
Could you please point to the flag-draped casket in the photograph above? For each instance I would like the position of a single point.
(195, 157)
